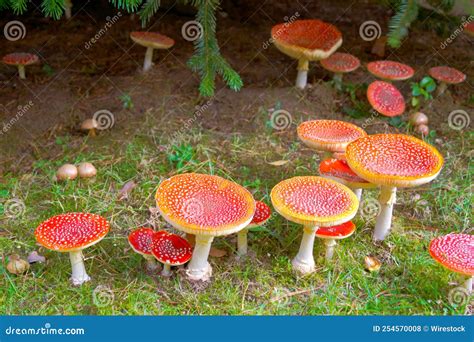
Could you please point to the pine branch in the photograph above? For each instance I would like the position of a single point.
(18, 6)
(148, 10)
(407, 12)
(4, 4)
(129, 5)
(53, 8)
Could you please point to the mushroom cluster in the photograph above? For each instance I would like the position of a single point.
(70, 172)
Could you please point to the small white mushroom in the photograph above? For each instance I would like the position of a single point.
(86, 170)
(66, 172)
(90, 126)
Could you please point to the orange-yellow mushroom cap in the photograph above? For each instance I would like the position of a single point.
(447, 74)
(152, 39)
(385, 98)
(390, 70)
(340, 62)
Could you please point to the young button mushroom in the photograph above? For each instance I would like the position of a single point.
(262, 214)
(141, 240)
(90, 126)
(151, 40)
(390, 71)
(205, 206)
(71, 233)
(392, 161)
(20, 60)
(313, 202)
(385, 98)
(329, 136)
(331, 234)
(171, 250)
(446, 75)
(86, 170)
(306, 40)
(339, 171)
(456, 253)
(67, 172)
(340, 63)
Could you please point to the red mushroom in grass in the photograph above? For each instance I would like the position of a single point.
(170, 250)
(385, 98)
(331, 234)
(20, 60)
(205, 206)
(340, 63)
(446, 75)
(152, 41)
(390, 70)
(392, 161)
(262, 214)
(306, 40)
(71, 233)
(313, 202)
(456, 253)
(340, 171)
(329, 136)
(140, 240)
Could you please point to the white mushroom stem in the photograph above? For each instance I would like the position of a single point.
(21, 71)
(199, 268)
(338, 81)
(148, 59)
(166, 272)
(302, 78)
(67, 8)
(358, 193)
(304, 260)
(330, 245)
(79, 274)
(242, 242)
(441, 88)
(468, 284)
(387, 200)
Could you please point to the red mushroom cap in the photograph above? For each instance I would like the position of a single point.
(385, 98)
(339, 170)
(140, 240)
(390, 70)
(394, 160)
(341, 231)
(72, 231)
(20, 58)
(455, 252)
(447, 74)
(329, 135)
(262, 214)
(311, 39)
(340, 62)
(171, 249)
(469, 28)
(152, 39)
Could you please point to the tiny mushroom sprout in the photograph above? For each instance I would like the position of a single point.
(306, 40)
(390, 70)
(205, 206)
(340, 63)
(446, 75)
(385, 98)
(313, 202)
(331, 234)
(141, 240)
(67, 172)
(20, 60)
(340, 171)
(392, 161)
(262, 214)
(90, 126)
(329, 136)
(86, 170)
(171, 250)
(456, 253)
(152, 41)
(71, 233)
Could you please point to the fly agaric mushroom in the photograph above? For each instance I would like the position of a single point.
(456, 253)
(67, 172)
(331, 234)
(152, 41)
(446, 75)
(90, 126)
(171, 250)
(205, 206)
(469, 28)
(313, 202)
(86, 170)
(306, 40)
(340, 63)
(392, 161)
(390, 70)
(261, 216)
(141, 240)
(339, 171)
(385, 98)
(72, 232)
(20, 60)
(330, 136)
